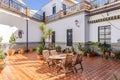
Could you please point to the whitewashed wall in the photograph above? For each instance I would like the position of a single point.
(115, 24)
(48, 7)
(114, 32)
(11, 20)
(60, 27)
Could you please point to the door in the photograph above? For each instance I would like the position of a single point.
(64, 9)
(43, 16)
(69, 37)
(53, 37)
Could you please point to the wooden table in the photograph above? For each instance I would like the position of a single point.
(58, 57)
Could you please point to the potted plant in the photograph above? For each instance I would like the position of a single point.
(94, 46)
(73, 50)
(88, 52)
(2, 56)
(80, 48)
(2, 63)
(31, 50)
(58, 48)
(114, 53)
(107, 52)
(12, 41)
(39, 50)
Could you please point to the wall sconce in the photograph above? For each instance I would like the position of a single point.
(20, 32)
(77, 23)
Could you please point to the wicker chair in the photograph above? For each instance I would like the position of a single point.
(78, 61)
(66, 65)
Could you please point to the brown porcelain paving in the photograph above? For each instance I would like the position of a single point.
(27, 67)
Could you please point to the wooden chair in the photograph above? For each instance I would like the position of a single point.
(46, 57)
(53, 52)
(66, 65)
(78, 61)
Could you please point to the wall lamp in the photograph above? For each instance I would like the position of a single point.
(77, 23)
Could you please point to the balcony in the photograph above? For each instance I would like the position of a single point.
(19, 8)
(70, 10)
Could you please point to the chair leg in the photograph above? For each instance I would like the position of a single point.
(81, 66)
(59, 69)
(74, 68)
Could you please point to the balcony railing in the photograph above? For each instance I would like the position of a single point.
(19, 8)
(100, 3)
(68, 11)
(13, 5)
(73, 9)
(36, 15)
(53, 17)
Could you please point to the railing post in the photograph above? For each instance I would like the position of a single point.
(46, 19)
(27, 11)
(61, 13)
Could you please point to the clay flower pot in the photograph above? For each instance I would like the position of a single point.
(39, 57)
(11, 52)
(22, 51)
(31, 50)
(88, 55)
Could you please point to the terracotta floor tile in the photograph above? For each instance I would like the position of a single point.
(27, 67)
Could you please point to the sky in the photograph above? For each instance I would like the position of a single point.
(37, 4)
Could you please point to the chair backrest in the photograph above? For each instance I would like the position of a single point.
(78, 59)
(68, 60)
(45, 54)
(53, 52)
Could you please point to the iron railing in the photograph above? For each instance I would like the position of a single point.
(36, 15)
(68, 11)
(73, 9)
(53, 17)
(100, 3)
(20, 8)
(13, 5)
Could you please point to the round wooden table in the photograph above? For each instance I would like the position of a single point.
(58, 57)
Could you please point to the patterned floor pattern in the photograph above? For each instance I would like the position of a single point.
(27, 67)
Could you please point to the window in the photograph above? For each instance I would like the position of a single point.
(104, 34)
(54, 9)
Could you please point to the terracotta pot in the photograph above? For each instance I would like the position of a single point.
(31, 50)
(88, 55)
(1, 70)
(39, 57)
(22, 51)
(11, 52)
(107, 53)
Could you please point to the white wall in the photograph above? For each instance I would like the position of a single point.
(115, 24)
(60, 27)
(48, 7)
(11, 20)
(114, 32)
